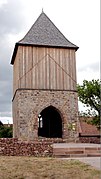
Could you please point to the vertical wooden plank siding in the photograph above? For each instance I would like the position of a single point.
(74, 71)
(74, 75)
(33, 69)
(57, 59)
(67, 69)
(48, 70)
(44, 68)
(71, 70)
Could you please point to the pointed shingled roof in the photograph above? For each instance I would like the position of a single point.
(44, 33)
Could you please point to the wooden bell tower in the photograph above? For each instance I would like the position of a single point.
(44, 84)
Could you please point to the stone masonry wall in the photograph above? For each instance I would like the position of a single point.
(94, 140)
(13, 147)
(28, 104)
(37, 148)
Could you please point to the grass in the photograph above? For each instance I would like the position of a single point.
(49, 168)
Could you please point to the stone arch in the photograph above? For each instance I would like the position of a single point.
(43, 106)
(50, 123)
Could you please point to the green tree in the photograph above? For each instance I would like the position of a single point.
(6, 132)
(89, 94)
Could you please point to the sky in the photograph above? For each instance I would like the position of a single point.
(78, 20)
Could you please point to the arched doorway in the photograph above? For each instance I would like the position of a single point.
(50, 123)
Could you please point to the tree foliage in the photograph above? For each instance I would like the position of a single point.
(89, 94)
(6, 132)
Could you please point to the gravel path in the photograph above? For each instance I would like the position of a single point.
(93, 161)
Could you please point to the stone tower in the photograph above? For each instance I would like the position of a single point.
(45, 101)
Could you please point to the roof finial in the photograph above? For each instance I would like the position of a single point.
(42, 10)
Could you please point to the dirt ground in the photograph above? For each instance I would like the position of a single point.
(50, 168)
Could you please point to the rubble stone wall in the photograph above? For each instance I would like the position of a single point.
(28, 104)
(94, 140)
(13, 147)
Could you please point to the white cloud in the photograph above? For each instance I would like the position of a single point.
(78, 20)
(6, 120)
(2, 2)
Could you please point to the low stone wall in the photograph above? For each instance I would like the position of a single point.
(38, 147)
(94, 140)
(41, 147)
(13, 147)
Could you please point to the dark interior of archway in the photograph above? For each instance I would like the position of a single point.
(51, 123)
